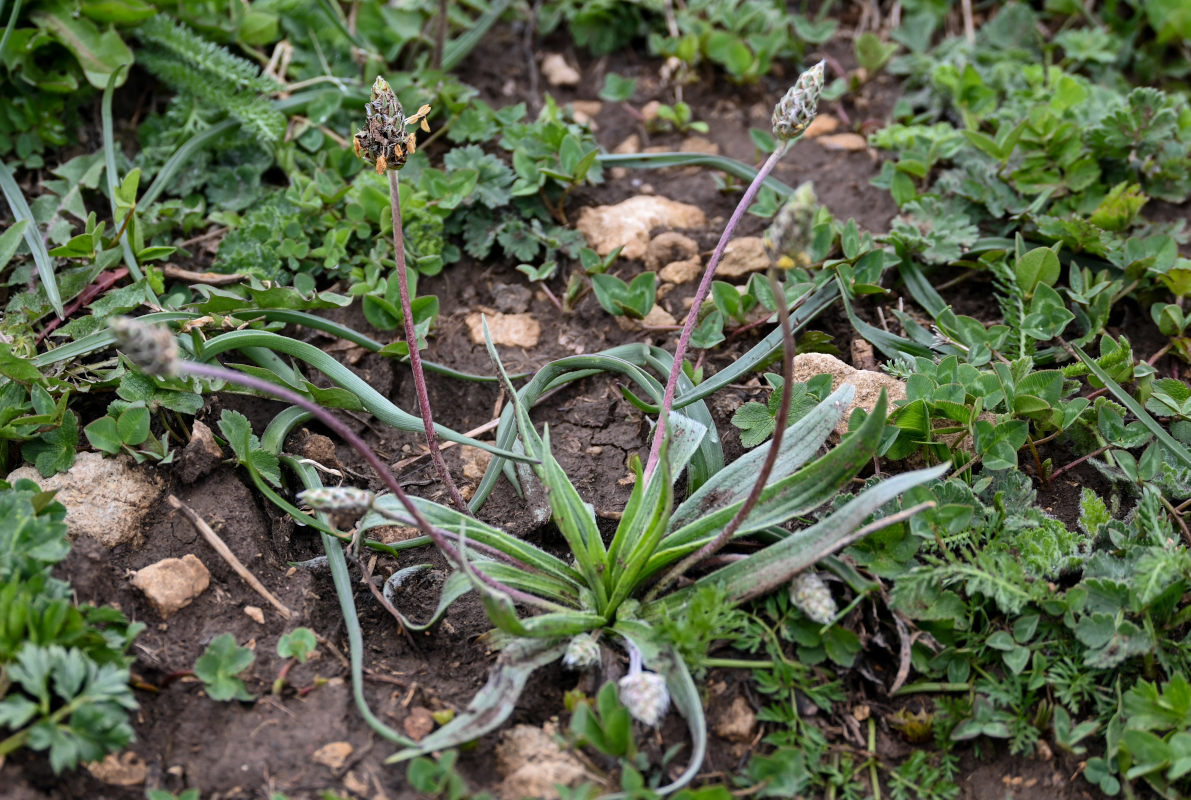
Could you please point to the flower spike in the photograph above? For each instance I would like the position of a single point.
(338, 498)
(153, 348)
(384, 140)
(797, 109)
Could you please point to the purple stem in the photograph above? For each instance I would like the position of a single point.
(415, 358)
(775, 446)
(701, 293)
(361, 447)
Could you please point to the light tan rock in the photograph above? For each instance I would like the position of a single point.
(475, 462)
(820, 126)
(256, 614)
(532, 764)
(508, 330)
(200, 455)
(357, 785)
(631, 144)
(558, 72)
(743, 255)
(649, 111)
(669, 246)
(120, 769)
(106, 499)
(418, 722)
(868, 383)
(333, 755)
(738, 723)
(585, 111)
(657, 317)
(629, 223)
(699, 144)
(172, 583)
(843, 141)
(682, 271)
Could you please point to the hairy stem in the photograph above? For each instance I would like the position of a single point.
(374, 461)
(783, 417)
(415, 358)
(688, 327)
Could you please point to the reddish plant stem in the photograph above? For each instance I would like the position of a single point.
(415, 358)
(754, 495)
(361, 447)
(1078, 461)
(105, 281)
(701, 293)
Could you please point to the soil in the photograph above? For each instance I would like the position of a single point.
(246, 750)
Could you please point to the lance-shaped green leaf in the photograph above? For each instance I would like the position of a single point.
(708, 459)
(772, 567)
(575, 520)
(377, 404)
(645, 520)
(796, 494)
(453, 521)
(800, 442)
(493, 704)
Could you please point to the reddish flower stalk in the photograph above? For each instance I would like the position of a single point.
(754, 495)
(791, 116)
(385, 143)
(415, 357)
(701, 293)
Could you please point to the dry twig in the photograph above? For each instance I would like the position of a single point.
(227, 555)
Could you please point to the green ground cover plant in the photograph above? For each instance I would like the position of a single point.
(1030, 162)
(64, 668)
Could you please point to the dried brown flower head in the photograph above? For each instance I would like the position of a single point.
(384, 140)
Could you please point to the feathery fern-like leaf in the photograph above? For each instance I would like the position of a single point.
(201, 69)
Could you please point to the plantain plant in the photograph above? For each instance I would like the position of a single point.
(600, 595)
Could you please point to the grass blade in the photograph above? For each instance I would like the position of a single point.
(109, 162)
(458, 48)
(41, 257)
(1179, 450)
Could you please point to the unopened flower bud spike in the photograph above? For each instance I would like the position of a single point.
(810, 595)
(583, 652)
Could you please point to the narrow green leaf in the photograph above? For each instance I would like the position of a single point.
(22, 213)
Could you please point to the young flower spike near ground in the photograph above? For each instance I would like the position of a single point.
(385, 142)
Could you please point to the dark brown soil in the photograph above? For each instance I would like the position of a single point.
(246, 750)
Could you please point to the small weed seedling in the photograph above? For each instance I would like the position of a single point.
(296, 646)
(220, 666)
